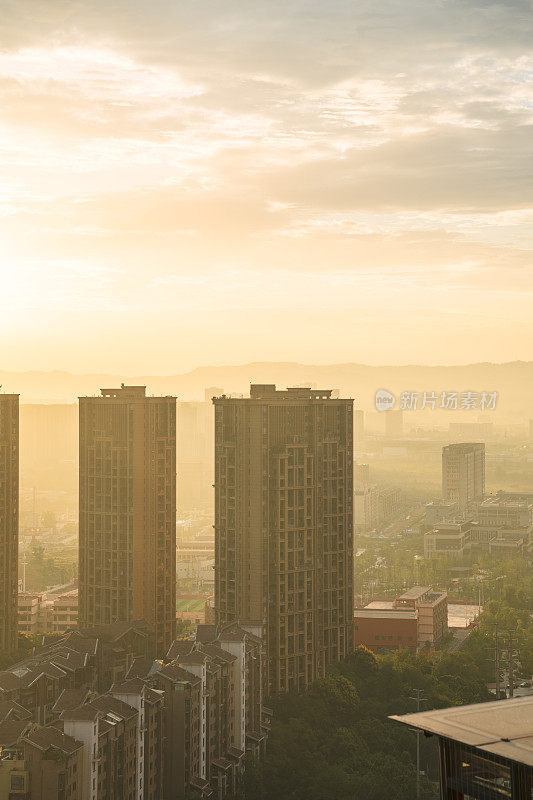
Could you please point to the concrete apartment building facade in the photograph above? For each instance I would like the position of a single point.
(38, 613)
(39, 763)
(432, 609)
(463, 473)
(366, 507)
(113, 723)
(195, 438)
(9, 520)
(127, 565)
(284, 526)
(213, 710)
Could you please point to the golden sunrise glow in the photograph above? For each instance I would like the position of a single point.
(176, 193)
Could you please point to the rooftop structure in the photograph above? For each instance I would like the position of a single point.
(486, 750)
(415, 593)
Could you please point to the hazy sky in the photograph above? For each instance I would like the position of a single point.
(190, 182)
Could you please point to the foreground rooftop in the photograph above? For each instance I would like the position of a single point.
(503, 727)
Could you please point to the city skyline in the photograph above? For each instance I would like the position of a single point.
(183, 171)
(295, 240)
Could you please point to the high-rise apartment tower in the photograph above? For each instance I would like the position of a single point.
(284, 526)
(9, 520)
(127, 566)
(463, 473)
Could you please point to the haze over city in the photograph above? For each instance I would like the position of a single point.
(266, 400)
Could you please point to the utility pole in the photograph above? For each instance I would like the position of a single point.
(497, 664)
(418, 699)
(513, 642)
(24, 571)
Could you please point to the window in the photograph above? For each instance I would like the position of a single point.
(475, 773)
(17, 783)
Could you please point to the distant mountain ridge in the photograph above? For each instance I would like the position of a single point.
(512, 380)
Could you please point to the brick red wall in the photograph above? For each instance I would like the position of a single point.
(391, 633)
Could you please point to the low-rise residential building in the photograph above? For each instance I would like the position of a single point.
(65, 612)
(54, 762)
(30, 613)
(39, 763)
(39, 613)
(149, 706)
(432, 608)
(178, 728)
(73, 661)
(213, 711)
(14, 779)
(383, 630)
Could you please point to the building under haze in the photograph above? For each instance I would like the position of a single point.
(393, 424)
(284, 527)
(463, 473)
(359, 427)
(9, 520)
(127, 566)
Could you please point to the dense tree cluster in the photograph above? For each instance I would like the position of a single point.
(509, 613)
(335, 741)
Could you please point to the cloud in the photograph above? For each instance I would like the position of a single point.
(202, 153)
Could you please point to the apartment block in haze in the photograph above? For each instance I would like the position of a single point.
(127, 567)
(284, 526)
(393, 424)
(463, 473)
(9, 520)
(195, 443)
(38, 613)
